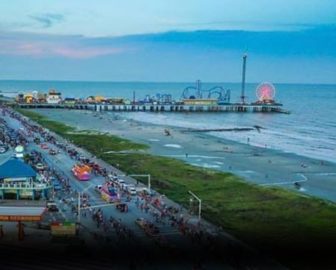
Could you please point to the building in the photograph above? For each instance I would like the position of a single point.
(18, 180)
(54, 97)
(69, 101)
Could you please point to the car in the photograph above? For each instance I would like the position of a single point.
(39, 166)
(52, 206)
(44, 146)
(112, 177)
(52, 152)
(123, 186)
(131, 190)
(120, 182)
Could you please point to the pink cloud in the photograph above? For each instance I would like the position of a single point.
(81, 53)
(46, 49)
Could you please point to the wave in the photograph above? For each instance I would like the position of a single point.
(284, 134)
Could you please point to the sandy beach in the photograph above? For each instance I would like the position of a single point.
(262, 166)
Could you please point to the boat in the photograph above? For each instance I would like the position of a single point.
(81, 172)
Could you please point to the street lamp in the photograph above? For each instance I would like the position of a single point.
(143, 175)
(199, 204)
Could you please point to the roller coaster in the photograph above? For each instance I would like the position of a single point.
(192, 92)
(159, 98)
(217, 92)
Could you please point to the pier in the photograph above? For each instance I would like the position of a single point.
(258, 108)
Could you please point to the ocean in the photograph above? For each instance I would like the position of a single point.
(310, 129)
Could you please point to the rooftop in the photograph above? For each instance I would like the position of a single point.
(15, 168)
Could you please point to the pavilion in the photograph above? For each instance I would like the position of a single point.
(19, 180)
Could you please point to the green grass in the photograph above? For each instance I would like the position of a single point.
(93, 142)
(271, 219)
(269, 216)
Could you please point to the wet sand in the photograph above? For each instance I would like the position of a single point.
(259, 165)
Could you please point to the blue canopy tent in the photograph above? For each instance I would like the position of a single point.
(15, 168)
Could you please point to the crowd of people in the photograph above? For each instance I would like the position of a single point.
(158, 213)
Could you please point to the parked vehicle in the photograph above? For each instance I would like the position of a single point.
(120, 182)
(112, 177)
(131, 190)
(52, 152)
(39, 166)
(52, 207)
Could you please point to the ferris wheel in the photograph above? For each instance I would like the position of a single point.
(265, 91)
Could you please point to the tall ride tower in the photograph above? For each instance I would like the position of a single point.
(242, 96)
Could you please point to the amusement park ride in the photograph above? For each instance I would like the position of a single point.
(265, 93)
(217, 92)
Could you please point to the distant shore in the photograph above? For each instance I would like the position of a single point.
(259, 165)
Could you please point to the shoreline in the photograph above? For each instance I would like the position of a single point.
(263, 166)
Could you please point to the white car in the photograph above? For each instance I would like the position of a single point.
(120, 182)
(131, 190)
(112, 177)
(124, 186)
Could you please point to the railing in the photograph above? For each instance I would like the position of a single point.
(24, 186)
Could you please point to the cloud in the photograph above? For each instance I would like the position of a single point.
(43, 46)
(83, 53)
(47, 20)
(319, 41)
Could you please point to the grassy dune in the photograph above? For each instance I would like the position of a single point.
(274, 220)
(91, 141)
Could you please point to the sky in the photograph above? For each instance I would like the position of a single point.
(289, 41)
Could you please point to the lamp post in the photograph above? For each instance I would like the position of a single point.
(199, 204)
(144, 175)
